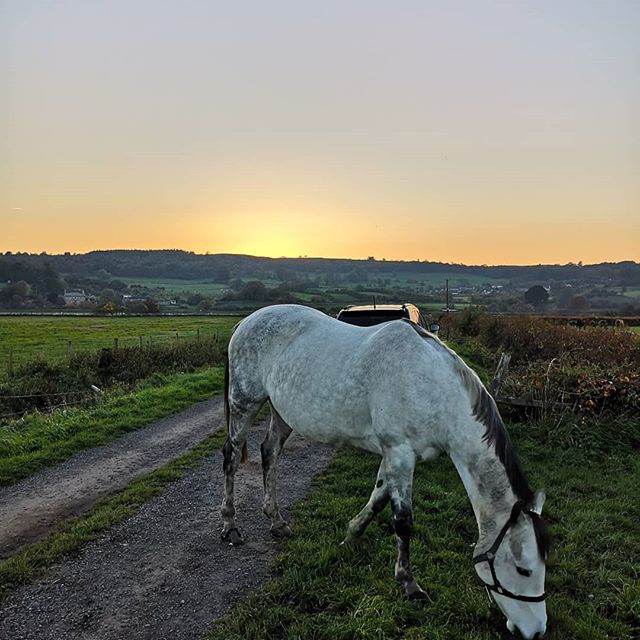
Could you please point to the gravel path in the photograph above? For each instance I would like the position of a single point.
(30, 509)
(164, 573)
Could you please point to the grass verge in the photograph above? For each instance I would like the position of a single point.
(33, 561)
(323, 590)
(42, 440)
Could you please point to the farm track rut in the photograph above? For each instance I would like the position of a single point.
(164, 573)
(32, 508)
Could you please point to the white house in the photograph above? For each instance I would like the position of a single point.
(74, 297)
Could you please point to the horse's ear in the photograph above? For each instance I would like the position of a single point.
(538, 501)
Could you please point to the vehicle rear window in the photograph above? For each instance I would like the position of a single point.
(370, 317)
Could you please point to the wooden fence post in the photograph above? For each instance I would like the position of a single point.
(69, 349)
(10, 362)
(115, 343)
(501, 372)
(198, 334)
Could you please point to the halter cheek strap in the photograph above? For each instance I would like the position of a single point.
(489, 557)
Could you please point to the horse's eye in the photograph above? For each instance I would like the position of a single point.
(523, 572)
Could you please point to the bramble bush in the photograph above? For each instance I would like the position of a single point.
(529, 338)
(589, 372)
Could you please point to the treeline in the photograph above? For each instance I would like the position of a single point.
(224, 267)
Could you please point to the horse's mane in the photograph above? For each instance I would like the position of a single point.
(484, 409)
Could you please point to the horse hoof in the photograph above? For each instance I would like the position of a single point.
(415, 593)
(352, 541)
(232, 537)
(283, 531)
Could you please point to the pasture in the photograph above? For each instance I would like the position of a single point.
(24, 338)
(179, 286)
(323, 590)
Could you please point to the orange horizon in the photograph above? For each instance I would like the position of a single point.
(378, 258)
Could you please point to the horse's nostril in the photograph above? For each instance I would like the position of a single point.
(536, 636)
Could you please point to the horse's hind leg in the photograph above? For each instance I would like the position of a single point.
(240, 421)
(377, 502)
(276, 436)
(399, 464)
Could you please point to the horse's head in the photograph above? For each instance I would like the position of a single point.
(513, 569)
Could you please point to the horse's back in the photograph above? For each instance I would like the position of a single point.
(336, 382)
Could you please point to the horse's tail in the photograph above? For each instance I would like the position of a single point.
(245, 452)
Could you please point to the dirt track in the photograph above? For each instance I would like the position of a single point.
(30, 509)
(165, 573)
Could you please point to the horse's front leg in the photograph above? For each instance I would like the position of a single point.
(377, 502)
(399, 464)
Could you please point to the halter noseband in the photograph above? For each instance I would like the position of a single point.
(489, 557)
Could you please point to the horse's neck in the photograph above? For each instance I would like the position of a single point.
(488, 487)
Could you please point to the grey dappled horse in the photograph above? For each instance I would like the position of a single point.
(396, 390)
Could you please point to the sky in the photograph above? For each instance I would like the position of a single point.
(481, 132)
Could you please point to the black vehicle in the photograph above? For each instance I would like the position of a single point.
(372, 314)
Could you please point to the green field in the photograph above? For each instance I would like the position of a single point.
(25, 338)
(439, 279)
(177, 285)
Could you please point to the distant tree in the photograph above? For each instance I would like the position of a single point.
(579, 304)
(152, 306)
(14, 293)
(536, 295)
(254, 290)
(108, 307)
(195, 299)
(205, 304)
(109, 296)
(562, 294)
(55, 299)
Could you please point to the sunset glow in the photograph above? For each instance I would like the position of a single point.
(496, 133)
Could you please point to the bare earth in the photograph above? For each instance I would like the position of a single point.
(165, 573)
(30, 509)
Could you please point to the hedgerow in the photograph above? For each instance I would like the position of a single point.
(42, 385)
